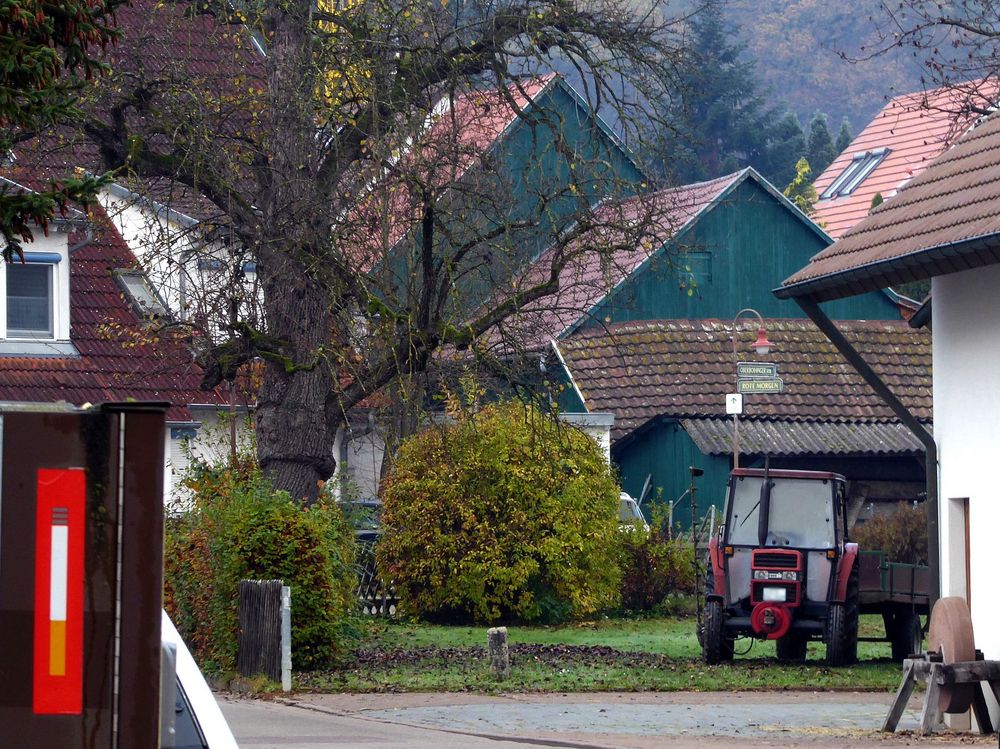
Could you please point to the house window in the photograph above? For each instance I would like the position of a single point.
(855, 173)
(37, 298)
(29, 300)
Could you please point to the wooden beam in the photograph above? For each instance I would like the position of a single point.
(902, 697)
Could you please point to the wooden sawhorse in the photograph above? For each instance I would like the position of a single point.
(940, 676)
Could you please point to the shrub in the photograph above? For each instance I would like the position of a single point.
(654, 567)
(237, 528)
(901, 534)
(503, 514)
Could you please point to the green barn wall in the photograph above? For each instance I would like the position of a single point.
(665, 451)
(732, 258)
(530, 170)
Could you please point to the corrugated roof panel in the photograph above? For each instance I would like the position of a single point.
(788, 438)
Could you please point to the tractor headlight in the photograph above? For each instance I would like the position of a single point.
(786, 575)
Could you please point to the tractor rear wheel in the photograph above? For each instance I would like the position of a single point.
(906, 635)
(716, 646)
(791, 647)
(841, 633)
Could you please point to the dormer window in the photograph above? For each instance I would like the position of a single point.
(862, 164)
(36, 295)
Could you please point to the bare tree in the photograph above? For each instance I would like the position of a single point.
(958, 45)
(354, 213)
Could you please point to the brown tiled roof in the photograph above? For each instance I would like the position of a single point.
(945, 220)
(118, 359)
(160, 43)
(684, 368)
(916, 128)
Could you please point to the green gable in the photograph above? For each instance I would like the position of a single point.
(730, 257)
(530, 169)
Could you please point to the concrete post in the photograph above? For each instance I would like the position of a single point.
(496, 639)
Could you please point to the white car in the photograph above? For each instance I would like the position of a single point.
(629, 514)
(190, 717)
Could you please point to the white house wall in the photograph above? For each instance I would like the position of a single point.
(154, 241)
(966, 325)
(209, 441)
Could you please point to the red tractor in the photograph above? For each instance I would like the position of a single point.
(782, 568)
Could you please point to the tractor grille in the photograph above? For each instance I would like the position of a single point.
(776, 560)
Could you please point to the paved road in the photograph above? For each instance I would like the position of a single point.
(586, 721)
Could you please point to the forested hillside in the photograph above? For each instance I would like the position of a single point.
(797, 45)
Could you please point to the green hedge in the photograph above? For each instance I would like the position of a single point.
(503, 514)
(240, 528)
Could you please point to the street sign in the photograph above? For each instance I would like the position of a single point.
(773, 385)
(734, 403)
(748, 370)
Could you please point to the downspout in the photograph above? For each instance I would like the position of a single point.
(813, 311)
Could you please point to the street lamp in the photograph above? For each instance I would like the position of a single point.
(762, 346)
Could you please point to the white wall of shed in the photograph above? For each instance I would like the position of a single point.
(966, 334)
(365, 454)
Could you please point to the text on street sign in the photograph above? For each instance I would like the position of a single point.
(775, 385)
(756, 370)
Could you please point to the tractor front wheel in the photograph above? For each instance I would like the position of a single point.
(841, 634)
(716, 646)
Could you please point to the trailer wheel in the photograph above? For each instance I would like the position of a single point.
(716, 647)
(906, 635)
(841, 634)
(791, 647)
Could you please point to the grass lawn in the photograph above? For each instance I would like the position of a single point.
(610, 654)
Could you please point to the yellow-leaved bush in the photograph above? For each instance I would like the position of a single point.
(504, 514)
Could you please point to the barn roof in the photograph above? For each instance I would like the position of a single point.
(943, 221)
(682, 369)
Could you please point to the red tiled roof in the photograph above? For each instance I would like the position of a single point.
(603, 257)
(165, 43)
(684, 369)
(916, 128)
(944, 220)
(117, 361)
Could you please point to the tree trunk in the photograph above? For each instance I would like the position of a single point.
(295, 435)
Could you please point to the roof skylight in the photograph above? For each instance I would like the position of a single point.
(146, 302)
(855, 173)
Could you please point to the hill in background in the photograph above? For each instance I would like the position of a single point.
(797, 45)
